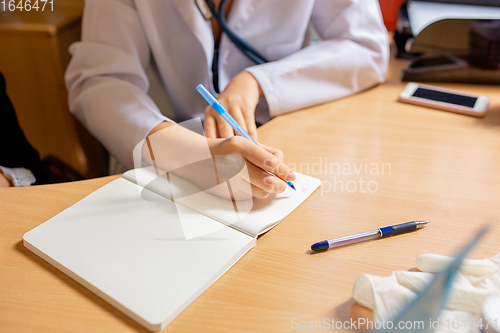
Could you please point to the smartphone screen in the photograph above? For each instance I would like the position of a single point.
(445, 97)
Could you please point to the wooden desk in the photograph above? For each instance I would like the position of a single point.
(443, 167)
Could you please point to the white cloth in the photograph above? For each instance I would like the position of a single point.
(477, 280)
(106, 77)
(18, 176)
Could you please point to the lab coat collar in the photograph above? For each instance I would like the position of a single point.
(241, 13)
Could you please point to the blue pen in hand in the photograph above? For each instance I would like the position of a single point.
(214, 103)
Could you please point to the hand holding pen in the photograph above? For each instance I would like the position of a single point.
(240, 97)
(271, 166)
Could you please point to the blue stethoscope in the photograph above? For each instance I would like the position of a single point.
(243, 46)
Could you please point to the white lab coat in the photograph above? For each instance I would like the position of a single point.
(106, 77)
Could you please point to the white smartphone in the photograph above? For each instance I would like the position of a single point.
(445, 99)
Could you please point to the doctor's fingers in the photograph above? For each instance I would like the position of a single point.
(265, 181)
(243, 111)
(249, 116)
(281, 169)
(213, 122)
(237, 114)
(209, 126)
(255, 154)
(262, 158)
(276, 152)
(225, 130)
(244, 114)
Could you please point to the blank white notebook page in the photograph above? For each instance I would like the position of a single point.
(134, 251)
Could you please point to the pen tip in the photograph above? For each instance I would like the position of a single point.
(422, 224)
(291, 185)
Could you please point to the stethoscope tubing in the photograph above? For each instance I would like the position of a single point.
(243, 46)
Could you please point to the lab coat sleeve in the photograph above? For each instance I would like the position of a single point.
(352, 56)
(106, 79)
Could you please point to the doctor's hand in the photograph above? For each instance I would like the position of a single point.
(210, 162)
(232, 153)
(240, 98)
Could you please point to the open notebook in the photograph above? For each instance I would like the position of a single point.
(150, 246)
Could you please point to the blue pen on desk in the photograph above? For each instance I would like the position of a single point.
(364, 236)
(214, 103)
